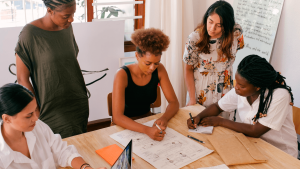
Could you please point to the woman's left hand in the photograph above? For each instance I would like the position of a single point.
(162, 123)
(211, 121)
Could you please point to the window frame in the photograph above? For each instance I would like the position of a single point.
(138, 23)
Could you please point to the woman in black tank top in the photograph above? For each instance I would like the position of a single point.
(135, 85)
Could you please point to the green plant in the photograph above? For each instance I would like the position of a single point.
(113, 11)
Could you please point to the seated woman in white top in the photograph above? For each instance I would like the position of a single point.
(263, 102)
(25, 141)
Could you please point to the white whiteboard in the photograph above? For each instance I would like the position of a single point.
(101, 44)
(259, 20)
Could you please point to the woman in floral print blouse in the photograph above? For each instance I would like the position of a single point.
(209, 55)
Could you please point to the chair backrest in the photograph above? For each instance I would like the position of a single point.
(296, 119)
(157, 102)
(109, 104)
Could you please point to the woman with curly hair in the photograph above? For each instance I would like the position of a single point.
(135, 85)
(209, 55)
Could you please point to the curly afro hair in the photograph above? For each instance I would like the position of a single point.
(150, 40)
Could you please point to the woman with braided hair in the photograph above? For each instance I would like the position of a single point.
(263, 102)
(46, 54)
(135, 85)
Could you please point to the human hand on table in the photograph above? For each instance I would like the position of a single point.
(162, 123)
(154, 133)
(211, 121)
(196, 122)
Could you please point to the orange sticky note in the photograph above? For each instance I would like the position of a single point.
(110, 153)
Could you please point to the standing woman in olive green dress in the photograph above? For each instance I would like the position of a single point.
(46, 54)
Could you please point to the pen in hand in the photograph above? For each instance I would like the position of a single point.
(195, 139)
(159, 128)
(192, 118)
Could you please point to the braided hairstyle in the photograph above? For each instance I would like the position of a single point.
(54, 4)
(260, 73)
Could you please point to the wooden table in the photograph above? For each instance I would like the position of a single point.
(87, 143)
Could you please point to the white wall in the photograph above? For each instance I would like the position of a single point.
(101, 44)
(285, 57)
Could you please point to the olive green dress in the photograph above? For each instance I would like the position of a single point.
(51, 57)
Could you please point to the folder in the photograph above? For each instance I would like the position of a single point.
(236, 149)
(110, 153)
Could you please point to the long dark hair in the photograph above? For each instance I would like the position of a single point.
(14, 98)
(53, 4)
(259, 72)
(226, 14)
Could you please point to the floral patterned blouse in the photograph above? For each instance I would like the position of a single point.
(212, 74)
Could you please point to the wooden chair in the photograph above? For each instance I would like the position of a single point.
(296, 119)
(157, 102)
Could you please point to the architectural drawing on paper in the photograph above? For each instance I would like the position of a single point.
(173, 152)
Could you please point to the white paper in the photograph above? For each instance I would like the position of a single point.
(173, 152)
(201, 129)
(222, 166)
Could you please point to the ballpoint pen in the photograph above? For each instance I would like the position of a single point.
(191, 118)
(195, 139)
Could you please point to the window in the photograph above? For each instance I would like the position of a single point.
(112, 9)
(20, 12)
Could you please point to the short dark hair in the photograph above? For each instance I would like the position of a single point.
(53, 4)
(260, 73)
(14, 98)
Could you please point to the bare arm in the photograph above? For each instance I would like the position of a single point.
(118, 107)
(208, 117)
(169, 93)
(23, 75)
(190, 83)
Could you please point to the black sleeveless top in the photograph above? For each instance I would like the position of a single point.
(139, 98)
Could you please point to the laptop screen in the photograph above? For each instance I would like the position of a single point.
(125, 159)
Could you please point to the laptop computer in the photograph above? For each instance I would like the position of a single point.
(125, 159)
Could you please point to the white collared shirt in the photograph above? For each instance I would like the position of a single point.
(47, 150)
(279, 118)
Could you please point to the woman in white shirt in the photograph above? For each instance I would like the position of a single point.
(25, 141)
(263, 102)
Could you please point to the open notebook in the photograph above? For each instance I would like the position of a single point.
(125, 159)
